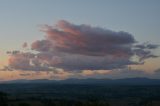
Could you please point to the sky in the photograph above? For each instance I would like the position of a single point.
(58, 39)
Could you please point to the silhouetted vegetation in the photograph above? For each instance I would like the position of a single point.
(78, 95)
(24, 104)
(3, 99)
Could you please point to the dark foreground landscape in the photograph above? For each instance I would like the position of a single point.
(74, 92)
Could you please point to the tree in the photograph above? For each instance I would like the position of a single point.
(3, 99)
(24, 104)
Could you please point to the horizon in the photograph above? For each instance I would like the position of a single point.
(58, 40)
(82, 79)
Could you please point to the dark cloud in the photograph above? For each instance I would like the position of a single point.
(144, 54)
(146, 46)
(144, 51)
(81, 47)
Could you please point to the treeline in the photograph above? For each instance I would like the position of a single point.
(74, 103)
(5, 100)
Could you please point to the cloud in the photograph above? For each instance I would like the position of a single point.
(144, 51)
(81, 47)
(94, 72)
(25, 45)
(157, 70)
(147, 46)
(14, 52)
(84, 40)
(25, 74)
(26, 61)
(128, 73)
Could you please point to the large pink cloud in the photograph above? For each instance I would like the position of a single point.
(85, 40)
(81, 47)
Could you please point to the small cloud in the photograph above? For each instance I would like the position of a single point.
(25, 45)
(14, 52)
(25, 74)
(157, 71)
(94, 72)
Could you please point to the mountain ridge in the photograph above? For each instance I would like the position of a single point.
(123, 81)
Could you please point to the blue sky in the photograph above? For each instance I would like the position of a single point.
(20, 20)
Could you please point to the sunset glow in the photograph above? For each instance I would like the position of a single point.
(48, 40)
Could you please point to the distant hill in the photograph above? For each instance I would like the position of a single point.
(125, 81)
